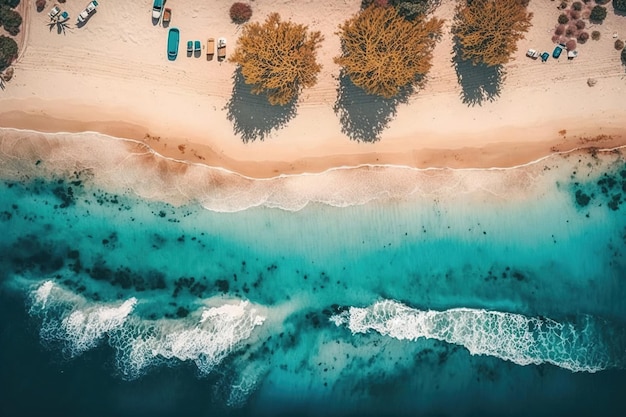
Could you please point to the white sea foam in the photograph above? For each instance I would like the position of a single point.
(205, 341)
(512, 337)
(118, 165)
(70, 319)
(206, 337)
(41, 294)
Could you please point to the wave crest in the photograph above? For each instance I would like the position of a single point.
(205, 337)
(579, 346)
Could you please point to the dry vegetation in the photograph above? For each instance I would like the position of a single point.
(487, 31)
(382, 52)
(278, 58)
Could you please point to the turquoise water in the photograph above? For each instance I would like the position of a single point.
(146, 286)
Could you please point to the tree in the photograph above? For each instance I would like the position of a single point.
(382, 52)
(10, 19)
(619, 5)
(11, 3)
(598, 13)
(278, 58)
(488, 30)
(40, 4)
(8, 51)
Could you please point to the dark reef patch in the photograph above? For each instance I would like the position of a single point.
(126, 278)
(607, 190)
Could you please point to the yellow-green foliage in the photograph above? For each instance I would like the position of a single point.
(278, 58)
(488, 30)
(383, 52)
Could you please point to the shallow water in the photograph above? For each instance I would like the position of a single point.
(136, 285)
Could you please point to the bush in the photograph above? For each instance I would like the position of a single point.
(595, 35)
(278, 58)
(619, 5)
(598, 13)
(560, 29)
(578, 6)
(624, 56)
(240, 12)
(580, 25)
(583, 37)
(8, 51)
(40, 4)
(382, 52)
(570, 45)
(574, 15)
(571, 30)
(10, 20)
(563, 19)
(619, 44)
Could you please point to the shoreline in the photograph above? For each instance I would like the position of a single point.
(486, 154)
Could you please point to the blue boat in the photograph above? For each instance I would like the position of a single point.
(173, 38)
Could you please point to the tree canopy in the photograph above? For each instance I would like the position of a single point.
(382, 52)
(488, 30)
(8, 51)
(278, 58)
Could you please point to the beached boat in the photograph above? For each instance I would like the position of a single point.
(221, 49)
(210, 47)
(173, 38)
(167, 15)
(157, 9)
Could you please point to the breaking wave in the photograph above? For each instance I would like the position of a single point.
(588, 344)
(205, 337)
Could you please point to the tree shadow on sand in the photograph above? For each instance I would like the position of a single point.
(252, 116)
(364, 116)
(479, 83)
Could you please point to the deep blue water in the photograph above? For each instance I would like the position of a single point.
(473, 300)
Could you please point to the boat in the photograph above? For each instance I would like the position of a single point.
(210, 47)
(167, 15)
(221, 49)
(157, 9)
(173, 38)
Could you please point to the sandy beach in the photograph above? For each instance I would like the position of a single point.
(112, 76)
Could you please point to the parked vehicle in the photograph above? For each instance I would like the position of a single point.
(531, 53)
(557, 51)
(545, 56)
(197, 46)
(54, 12)
(84, 15)
(189, 47)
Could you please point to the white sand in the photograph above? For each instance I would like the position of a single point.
(113, 76)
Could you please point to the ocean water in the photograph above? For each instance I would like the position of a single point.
(136, 285)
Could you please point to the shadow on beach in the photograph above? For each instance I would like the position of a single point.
(252, 116)
(479, 83)
(364, 116)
